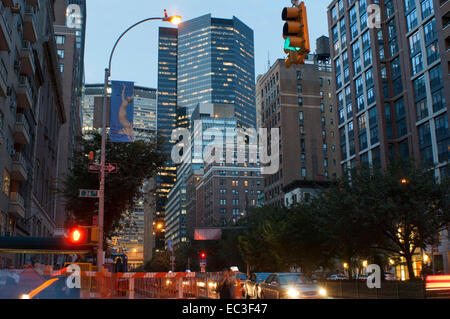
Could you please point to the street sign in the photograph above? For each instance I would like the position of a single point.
(172, 258)
(89, 193)
(93, 167)
(169, 245)
(109, 168)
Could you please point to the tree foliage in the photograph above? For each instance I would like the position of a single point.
(368, 214)
(137, 162)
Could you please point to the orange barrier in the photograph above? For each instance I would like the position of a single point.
(148, 285)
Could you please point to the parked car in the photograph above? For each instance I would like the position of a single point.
(362, 277)
(336, 277)
(290, 286)
(390, 276)
(251, 289)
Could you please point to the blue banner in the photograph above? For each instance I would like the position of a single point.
(122, 109)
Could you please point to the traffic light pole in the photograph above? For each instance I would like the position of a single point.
(101, 204)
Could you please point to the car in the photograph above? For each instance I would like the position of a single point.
(290, 286)
(389, 276)
(362, 277)
(251, 289)
(336, 277)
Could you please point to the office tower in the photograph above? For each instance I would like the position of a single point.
(32, 112)
(69, 26)
(392, 85)
(167, 122)
(216, 65)
(298, 101)
(212, 62)
(204, 117)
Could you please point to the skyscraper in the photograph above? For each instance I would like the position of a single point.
(298, 101)
(392, 85)
(205, 61)
(216, 65)
(167, 121)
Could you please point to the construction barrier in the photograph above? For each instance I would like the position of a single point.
(110, 285)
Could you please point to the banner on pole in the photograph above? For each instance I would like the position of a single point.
(122, 108)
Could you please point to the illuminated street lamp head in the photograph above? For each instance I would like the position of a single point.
(159, 225)
(404, 181)
(175, 20)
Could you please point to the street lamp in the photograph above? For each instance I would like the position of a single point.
(173, 19)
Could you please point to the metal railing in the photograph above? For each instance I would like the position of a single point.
(17, 198)
(22, 120)
(19, 158)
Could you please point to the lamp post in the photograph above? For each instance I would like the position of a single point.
(173, 19)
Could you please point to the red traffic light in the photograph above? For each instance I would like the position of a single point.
(203, 255)
(77, 235)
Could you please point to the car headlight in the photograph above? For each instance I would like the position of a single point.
(293, 293)
(322, 292)
(25, 296)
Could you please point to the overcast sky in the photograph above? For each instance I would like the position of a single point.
(136, 57)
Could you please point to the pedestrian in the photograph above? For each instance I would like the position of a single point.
(224, 288)
(233, 281)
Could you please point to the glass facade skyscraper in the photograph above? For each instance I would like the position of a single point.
(166, 121)
(205, 61)
(216, 65)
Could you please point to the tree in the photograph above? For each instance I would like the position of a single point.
(137, 162)
(159, 263)
(258, 245)
(397, 210)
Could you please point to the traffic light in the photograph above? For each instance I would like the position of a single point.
(83, 235)
(202, 257)
(91, 157)
(77, 235)
(296, 34)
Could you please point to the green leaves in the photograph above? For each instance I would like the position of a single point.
(136, 161)
(366, 215)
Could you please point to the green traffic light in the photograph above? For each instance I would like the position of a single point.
(287, 45)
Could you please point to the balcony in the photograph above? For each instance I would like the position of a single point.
(27, 59)
(8, 3)
(5, 31)
(22, 130)
(34, 3)
(24, 93)
(16, 205)
(20, 166)
(29, 24)
(3, 83)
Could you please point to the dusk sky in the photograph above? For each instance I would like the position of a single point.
(136, 57)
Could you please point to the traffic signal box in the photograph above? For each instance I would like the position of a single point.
(296, 35)
(83, 235)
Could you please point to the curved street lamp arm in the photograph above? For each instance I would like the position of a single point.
(122, 35)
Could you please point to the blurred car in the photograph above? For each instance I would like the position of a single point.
(251, 289)
(336, 277)
(362, 277)
(290, 286)
(389, 276)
